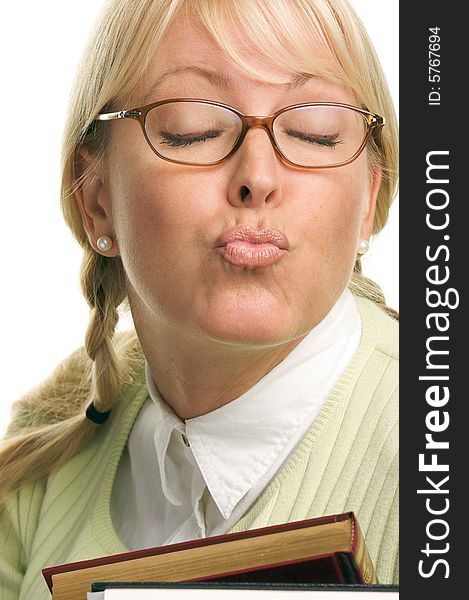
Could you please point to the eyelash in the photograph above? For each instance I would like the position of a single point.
(328, 141)
(179, 140)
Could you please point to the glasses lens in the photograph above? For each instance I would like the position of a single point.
(192, 132)
(318, 136)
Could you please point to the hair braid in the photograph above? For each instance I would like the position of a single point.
(42, 440)
(104, 289)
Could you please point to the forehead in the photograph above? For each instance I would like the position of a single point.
(189, 61)
(188, 39)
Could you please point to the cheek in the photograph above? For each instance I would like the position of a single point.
(154, 209)
(332, 216)
(160, 219)
(152, 200)
(336, 203)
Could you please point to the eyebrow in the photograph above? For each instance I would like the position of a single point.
(220, 80)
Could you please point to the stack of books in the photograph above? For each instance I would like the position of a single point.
(325, 550)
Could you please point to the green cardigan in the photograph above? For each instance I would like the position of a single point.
(347, 461)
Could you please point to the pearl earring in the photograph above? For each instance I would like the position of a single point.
(104, 243)
(363, 247)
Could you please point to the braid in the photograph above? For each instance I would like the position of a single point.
(104, 289)
(366, 288)
(50, 425)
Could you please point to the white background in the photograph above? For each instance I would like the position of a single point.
(43, 315)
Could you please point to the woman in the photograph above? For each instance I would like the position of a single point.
(260, 386)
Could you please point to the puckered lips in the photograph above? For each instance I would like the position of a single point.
(251, 249)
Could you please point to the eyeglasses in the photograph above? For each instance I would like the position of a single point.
(190, 131)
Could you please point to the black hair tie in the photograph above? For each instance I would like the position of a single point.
(97, 417)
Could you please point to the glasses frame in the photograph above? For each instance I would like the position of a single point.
(373, 121)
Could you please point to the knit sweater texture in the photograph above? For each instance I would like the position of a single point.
(346, 462)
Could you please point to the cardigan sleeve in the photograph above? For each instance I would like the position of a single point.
(12, 558)
(19, 518)
(20, 510)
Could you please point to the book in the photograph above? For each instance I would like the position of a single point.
(216, 591)
(327, 549)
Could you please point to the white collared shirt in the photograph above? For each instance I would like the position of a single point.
(181, 480)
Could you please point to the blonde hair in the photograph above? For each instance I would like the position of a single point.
(284, 33)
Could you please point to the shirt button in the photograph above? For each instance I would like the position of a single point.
(185, 440)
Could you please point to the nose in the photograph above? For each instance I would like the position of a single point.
(256, 179)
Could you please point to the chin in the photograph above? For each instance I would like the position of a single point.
(251, 323)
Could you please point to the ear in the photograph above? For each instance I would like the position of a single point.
(369, 210)
(94, 202)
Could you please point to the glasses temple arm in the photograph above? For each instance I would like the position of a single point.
(122, 114)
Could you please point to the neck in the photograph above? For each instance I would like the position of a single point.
(195, 377)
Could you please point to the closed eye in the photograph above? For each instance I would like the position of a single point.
(181, 140)
(329, 141)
